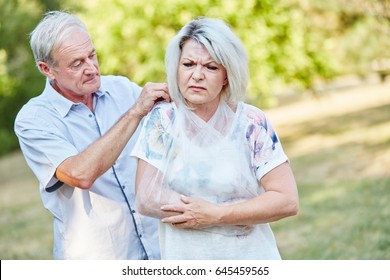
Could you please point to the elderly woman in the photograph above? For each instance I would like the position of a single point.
(211, 167)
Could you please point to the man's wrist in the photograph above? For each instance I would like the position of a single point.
(134, 113)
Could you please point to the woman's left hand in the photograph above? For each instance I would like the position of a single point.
(196, 213)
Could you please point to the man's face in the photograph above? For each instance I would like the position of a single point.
(76, 73)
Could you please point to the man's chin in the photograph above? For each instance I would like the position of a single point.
(92, 85)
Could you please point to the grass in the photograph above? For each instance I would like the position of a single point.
(339, 221)
(25, 226)
(339, 148)
(340, 153)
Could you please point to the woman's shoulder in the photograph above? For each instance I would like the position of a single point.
(163, 109)
(164, 105)
(252, 113)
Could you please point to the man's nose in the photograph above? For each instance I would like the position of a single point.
(90, 66)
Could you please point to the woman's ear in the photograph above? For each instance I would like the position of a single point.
(225, 82)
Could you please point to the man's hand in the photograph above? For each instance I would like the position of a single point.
(84, 168)
(150, 94)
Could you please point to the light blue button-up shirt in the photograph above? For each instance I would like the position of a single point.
(99, 223)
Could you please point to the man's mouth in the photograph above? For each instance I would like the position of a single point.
(94, 78)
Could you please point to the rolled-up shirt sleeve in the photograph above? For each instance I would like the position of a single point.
(44, 148)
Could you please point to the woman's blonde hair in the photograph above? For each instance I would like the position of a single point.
(223, 46)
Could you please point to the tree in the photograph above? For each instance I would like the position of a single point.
(292, 44)
(282, 47)
(19, 78)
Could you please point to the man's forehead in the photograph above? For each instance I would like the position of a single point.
(77, 44)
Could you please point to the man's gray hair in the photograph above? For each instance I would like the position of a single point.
(50, 33)
(224, 47)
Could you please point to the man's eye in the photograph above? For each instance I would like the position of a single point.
(212, 67)
(76, 64)
(187, 64)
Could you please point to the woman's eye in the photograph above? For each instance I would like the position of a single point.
(212, 67)
(187, 64)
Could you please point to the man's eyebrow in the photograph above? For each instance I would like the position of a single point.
(79, 58)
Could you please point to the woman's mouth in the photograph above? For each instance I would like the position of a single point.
(197, 88)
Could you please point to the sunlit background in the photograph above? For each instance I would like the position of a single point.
(318, 68)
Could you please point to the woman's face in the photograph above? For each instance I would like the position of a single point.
(200, 78)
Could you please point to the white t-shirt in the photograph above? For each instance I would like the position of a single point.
(220, 161)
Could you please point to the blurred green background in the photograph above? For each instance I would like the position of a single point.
(317, 67)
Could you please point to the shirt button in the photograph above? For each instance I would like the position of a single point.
(133, 211)
(90, 115)
(140, 236)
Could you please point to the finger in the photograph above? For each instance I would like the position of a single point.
(162, 96)
(181, 225)
(175, 219)
(156, 87)
(174, 208)
(156, 92)
(186, 199)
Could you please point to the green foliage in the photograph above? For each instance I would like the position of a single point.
(19, 78)
(132, 40)
(292, 44)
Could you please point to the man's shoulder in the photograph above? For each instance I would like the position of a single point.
(37, 103)
(119, 86)
(116, 80)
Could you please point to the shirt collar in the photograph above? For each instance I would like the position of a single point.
(62, 104)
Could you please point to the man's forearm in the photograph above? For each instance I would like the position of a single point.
(84, 168)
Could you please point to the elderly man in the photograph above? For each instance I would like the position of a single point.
(77, 137)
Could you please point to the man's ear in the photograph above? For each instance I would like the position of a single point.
(46, 69)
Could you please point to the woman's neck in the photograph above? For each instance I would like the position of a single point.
(205, 111)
